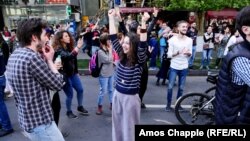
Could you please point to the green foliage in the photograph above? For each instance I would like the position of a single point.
(200, 5)
(159, 3)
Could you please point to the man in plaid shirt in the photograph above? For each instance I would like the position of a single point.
(31, 73)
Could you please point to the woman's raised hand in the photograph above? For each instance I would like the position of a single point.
(111, 13)
(79, 43)
(145, 17)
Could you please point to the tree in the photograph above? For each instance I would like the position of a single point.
(25, 1)
(200, 6)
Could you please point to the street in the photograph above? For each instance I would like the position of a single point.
(98, 127)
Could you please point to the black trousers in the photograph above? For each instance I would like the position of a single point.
(56, 107)
(144, 81)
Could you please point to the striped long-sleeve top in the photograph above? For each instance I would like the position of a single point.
(128, 78)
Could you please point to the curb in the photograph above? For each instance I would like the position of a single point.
(154, 72)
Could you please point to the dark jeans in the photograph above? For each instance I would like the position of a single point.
(56, 106)
(153, 57)
(144, 81)
(73, 82)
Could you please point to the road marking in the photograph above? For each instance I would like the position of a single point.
(164, 106)
(155, 106)
(163, 121)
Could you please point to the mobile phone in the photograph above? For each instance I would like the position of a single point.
(47, 48)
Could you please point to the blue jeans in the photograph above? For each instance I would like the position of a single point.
(153, 57)
(162, 49)
(106, 86)
(206, 55)
(191, 59)
(182, 79)
(4, 115)
(73, 82)
(45, 132)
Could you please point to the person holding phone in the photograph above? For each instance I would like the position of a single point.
(64, 46)
(31, 72)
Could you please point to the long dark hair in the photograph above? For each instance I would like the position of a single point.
(28, 27)
(130, 59)
(58, 43)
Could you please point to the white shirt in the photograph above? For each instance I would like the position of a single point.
(179, 62)
(232, 40)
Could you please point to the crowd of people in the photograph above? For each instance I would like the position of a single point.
(38, 61)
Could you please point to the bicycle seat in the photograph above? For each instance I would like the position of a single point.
(212, 76)
(213, 73)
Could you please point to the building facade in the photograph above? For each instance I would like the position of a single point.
(54, 11)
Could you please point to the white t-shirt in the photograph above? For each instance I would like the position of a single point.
(231, 41)
(176, 44)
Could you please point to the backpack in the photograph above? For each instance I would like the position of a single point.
(94, 69)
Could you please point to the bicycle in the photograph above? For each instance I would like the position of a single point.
(197, 108)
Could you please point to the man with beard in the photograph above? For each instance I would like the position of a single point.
(31, 73)
(180, 50)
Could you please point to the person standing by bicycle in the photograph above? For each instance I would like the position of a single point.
(232, 96)
(180, 50)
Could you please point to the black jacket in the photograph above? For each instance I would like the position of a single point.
(232, 99)
(69, 61)
(4, 55)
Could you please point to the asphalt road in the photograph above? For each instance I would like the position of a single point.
(98, 127)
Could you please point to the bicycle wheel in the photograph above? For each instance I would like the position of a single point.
(211, 91)
(194, 109)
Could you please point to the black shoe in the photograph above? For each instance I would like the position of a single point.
(5, 132)
(71, 115)
(81, 110)
(163, 83)
(143, 106)
(157, 83)
(169, 109)
(65, 134)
